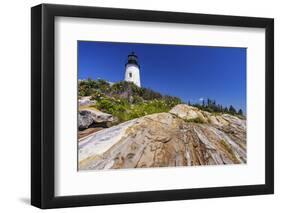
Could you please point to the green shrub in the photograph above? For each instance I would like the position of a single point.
(124, 111)
(97, 95)
(137, 99)
(125, 100)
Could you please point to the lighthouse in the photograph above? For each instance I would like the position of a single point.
(132, 70)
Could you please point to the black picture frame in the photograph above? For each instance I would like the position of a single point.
(43, 102)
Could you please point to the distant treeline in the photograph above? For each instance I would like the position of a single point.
(210, 105)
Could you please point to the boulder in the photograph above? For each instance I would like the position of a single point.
(84, 120)
(83, 102)
(86, 101)
(164, 140)
(88, 117)
(187, 112)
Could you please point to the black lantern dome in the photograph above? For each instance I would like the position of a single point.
(133, 59)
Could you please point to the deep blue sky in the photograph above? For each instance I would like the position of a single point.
(189, 72)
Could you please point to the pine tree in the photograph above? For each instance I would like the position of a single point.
(232, 110)
(240, 112)
(208, 102)
(225, 109)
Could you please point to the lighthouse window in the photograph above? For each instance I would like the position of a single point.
(130, 75)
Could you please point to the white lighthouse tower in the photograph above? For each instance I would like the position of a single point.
(132, 72)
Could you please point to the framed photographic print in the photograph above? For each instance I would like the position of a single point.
(140, 106)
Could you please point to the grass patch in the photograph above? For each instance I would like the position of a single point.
(87, 107)
(195, 120)
(216, 113)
